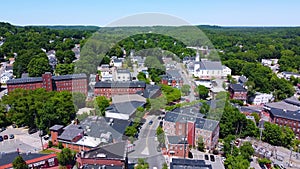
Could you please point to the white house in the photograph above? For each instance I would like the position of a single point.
(226, 71)
(116, 62)
(261, 98)
(122, 75)
(288, 75)
(106, 72)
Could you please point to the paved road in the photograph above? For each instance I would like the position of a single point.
(146, 146)
(186, 80)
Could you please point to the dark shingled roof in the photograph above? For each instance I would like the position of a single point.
(69, 77)
(151, 91)
(124, 84)
(176, 139)
(209, 65)
(189, 164)
(125, 107)
(70, 132)
(56, 127)
(25, 80)
(111, 151)
(7, 158)
(237, 88)
(292, 115)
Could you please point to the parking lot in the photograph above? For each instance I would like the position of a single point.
(22, 141)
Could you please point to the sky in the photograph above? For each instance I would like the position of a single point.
(195, 12)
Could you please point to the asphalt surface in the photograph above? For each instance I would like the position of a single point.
(23, 141)
(146, 146)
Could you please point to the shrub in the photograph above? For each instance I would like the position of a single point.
(50, 144)
(60, 145)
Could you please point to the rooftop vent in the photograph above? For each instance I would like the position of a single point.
(101, 155)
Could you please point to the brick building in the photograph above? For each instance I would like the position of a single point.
(110, 88)
(107, 156)
(189, 122)
(73, 83)
(237, 92)
(172, 78)
(176, 145)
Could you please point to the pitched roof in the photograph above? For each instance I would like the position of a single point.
(25, 80)
(123, 84)
(70, 132)
(69, 77)
(209, 65)
(151, 91)
(176, 139)
(237, 88)
(110, 151)
(94, 126)
(292, 115)
(125, 107)
(8, 158)
(56, 127)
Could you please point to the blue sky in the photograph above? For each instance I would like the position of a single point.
(200, 12)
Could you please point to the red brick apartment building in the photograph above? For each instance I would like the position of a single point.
(192, 125)
(72, 83)
(110, 88)
(237, 92)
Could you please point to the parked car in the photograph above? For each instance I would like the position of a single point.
(14, 125)
(150, 122)
(5, 137)
(1, 138)
(212, 158)
(32, 130)
(11, 136)
(206, 157)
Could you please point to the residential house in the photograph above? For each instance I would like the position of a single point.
(177, 146)
(116, 62)
(188, 121)
(288, 75)
(261, 98)
(242, 80)
(122, 75)
(105, 72)
(172, 78)
(112, 156)
(237, 92)
(5, 77)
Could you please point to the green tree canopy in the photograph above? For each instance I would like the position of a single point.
(101, 103)
(65, 157)
(19, 163)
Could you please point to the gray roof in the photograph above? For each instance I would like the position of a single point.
(197, 118)
(151, 91)
(56, 127)
(70, 132)
(209, 65)
(25, 80)
(176, 139)
(292, 100)
(243, 79)
(111, 151)
(69, 77)
(282, 105)
(7, 158)
(125, 107)
(123, 71)
(189, 164)
(292, 115)
(98, 125)
(174, 73)
(237, 88)
(96, 166)
(123, 84)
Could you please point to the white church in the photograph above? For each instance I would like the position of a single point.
(205, 69)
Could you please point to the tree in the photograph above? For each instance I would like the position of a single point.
(130, 131)
(185, 89)
(60, 145)
(19, 163)
(79, 99)
(200, 144)
(239, 162)
(101, 103)
(171, 94)
(165, 166)
(160, 135)
(65, 157)
(142, 164)
(142, 77)
(202, 91)
(277, 136)
(38, 66)
(64, 69)
(246, 150)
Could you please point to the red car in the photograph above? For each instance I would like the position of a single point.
(5, 137)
